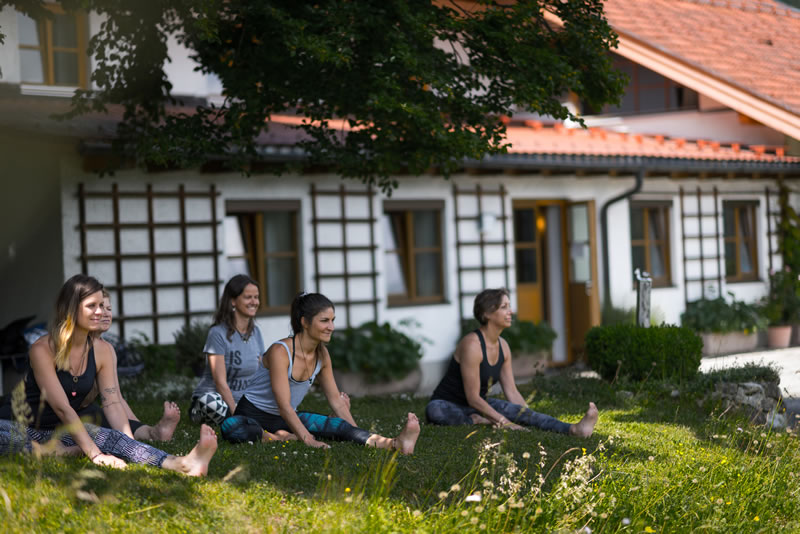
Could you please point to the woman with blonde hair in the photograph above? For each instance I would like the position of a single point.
(64, 365)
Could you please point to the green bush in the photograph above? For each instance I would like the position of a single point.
(663, 352)
(377, 351)
(719, 315)
(189, 343)
(522, 336)
(159, 360)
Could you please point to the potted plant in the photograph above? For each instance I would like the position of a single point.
(780, 307)
(724, 326)
(376, 359)
(530, 344)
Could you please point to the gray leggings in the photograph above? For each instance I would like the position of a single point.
(442, 412)
(16, 439)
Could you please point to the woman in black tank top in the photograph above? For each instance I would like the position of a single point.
(482, 358)
(64, 364)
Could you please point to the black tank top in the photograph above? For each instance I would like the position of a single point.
(76, 392)
(451, 387)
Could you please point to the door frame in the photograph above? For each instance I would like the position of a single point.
(562, 203)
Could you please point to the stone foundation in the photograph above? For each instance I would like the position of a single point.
(761, 401)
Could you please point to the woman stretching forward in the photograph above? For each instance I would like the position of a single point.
(482, 357)
(63, 368)
(290, 366)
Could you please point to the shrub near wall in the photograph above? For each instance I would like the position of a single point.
(376, 351)
(664, 352)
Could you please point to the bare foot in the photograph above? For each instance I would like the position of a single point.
(407, 438)
(195, 464)
(166, 426)
(585, 427)
(478, 419)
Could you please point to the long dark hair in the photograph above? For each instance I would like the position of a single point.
(307, 305)
(225, 314)
(486, 302)
(65, 319)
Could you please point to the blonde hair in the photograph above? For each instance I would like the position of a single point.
(68, 303)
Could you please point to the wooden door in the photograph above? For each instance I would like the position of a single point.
(528, 252)
(584, 301)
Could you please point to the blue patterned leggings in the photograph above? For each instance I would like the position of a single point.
(442, 412)
(16, 439)
(320, 426)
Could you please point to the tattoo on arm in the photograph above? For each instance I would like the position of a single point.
(108, 394)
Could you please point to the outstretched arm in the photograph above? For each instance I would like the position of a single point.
(108, 384)
(218, 371)
(507, 381)
(339, 405)
(469, 356)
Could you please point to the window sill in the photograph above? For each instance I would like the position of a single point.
(47, 90)
(748, 281)
(277, 312)
(415, 304)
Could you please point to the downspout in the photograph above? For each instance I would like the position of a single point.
(604, 229)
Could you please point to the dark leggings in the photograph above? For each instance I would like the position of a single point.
(96, 416)
(15, 439)
(320, 426)
(443, 412)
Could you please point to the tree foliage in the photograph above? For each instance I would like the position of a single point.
(419, 84)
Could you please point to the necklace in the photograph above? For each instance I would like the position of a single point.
(74, 377)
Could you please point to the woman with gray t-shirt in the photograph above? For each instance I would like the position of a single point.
(233, 347)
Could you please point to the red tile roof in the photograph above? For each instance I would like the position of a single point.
(752, 44)
(535, 138)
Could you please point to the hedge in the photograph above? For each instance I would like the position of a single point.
(663, 352)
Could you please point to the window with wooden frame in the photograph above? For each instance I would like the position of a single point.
(647, 92)
(412, 236)
(650, 251)
(52, 51)
(262, 241)
(741, 244)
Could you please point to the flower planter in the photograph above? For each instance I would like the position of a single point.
(355, 385)
(778, 337)
(715, 343)
(529, 364)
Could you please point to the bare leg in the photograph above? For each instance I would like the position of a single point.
(405, 440)
(195, 464)
(478, 419)
(585, 426)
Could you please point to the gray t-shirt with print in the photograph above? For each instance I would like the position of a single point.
(241, 359)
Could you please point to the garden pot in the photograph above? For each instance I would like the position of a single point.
(529, 364)
(355, 385)
(778, 337)
(715, 343)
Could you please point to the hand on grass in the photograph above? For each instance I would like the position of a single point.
(111, 461)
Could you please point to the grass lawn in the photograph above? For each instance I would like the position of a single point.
(655, 464)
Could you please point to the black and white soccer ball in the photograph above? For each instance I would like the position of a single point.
(210, 408)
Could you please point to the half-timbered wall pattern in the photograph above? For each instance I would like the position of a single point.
(702, 237)
(343, 229)
(155, 250)
(481, 242)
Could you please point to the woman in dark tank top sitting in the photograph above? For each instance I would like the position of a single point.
(483, 357)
